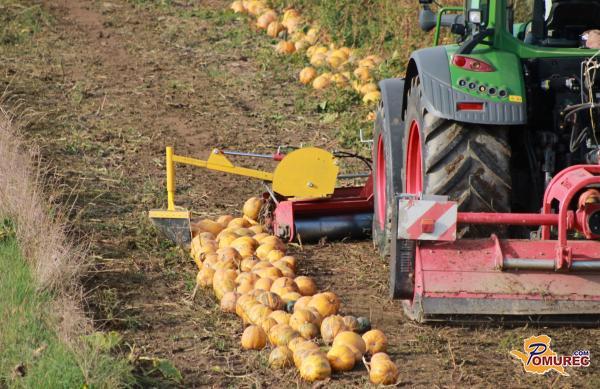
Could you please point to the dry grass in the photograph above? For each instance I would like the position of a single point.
(55, 263)
(40, 231)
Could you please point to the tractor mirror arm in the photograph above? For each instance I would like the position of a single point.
(428, 19)
(468, 46)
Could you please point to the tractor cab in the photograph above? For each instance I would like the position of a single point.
(559, 23)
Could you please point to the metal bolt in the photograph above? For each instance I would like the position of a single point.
(310, 184)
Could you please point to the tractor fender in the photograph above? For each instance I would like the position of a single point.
(432, 65)
(392, 99)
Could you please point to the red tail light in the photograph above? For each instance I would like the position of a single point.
(469, 106)
(472, 64)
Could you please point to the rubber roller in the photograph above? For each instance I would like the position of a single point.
(353, 226)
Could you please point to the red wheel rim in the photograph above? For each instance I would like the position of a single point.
(380, 193)
(414, 169)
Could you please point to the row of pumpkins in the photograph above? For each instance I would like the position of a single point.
(252, 276)
(335, 62)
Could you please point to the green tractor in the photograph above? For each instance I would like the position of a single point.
(491, 122)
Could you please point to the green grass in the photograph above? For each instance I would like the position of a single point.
(26, 339)
(31, 353)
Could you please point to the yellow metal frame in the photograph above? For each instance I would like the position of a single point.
(308, 172)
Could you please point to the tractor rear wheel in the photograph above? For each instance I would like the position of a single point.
(469, 163)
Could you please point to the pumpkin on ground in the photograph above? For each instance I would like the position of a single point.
(263, 284)
(375, 341)
(254, 338)
(271, 300)
(267, 324)
(302, 303)
(327, 303)
(383, 372)
(315, 367)
(300, 317)
(304, 349)
(353, 341)
(281, 334)
(205, 277)
(351, 323)
(281, 317)
(285, 47)
(274, 28)
(307, 75)
(341, 358)
(253, 205)
(281, 357)
(308, 331)
(331, 327)
(228, 302)
(306, 286)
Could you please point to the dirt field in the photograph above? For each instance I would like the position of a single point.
(109, 85)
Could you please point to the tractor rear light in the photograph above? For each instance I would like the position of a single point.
(469, 106)
(472, 64)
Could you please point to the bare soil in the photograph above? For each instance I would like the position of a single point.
(112, 83)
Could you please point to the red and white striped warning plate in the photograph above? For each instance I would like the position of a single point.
(427, 220)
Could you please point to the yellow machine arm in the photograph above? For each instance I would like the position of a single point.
(308, 172)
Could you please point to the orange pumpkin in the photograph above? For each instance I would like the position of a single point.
(268, 272)
(267, 324)
(326, 303)
(281, 334)
(306, 286)
(295, 342)
(291, 261)
(353, 341)
(341, 358)
(258, 313)
(285, 282)
(238, 222)
(383, 372)
(254, 338)
(302, 303)
(380, 356)
(247, 264)
(210, 260)
(281, 317)
(224, 220)
(291, 296)
(275, 255)
(281, 357)
(205, 277)
(331, 327)
(245, 287)
(304, 349)
(351, 323)
(263, 284)
(246, 277)
(228, 302)
(300, 317)
(308, 331)
(271, 300)
(253, 205)
(375, 341)
(222, 286)
(315, 367)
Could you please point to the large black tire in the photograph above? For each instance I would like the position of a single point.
(469, 163)
(385, 139)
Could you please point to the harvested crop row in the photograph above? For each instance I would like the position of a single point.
(253, 277)
(329, 65)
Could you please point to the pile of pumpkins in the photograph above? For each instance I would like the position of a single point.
(253, 277)
(338, 66)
